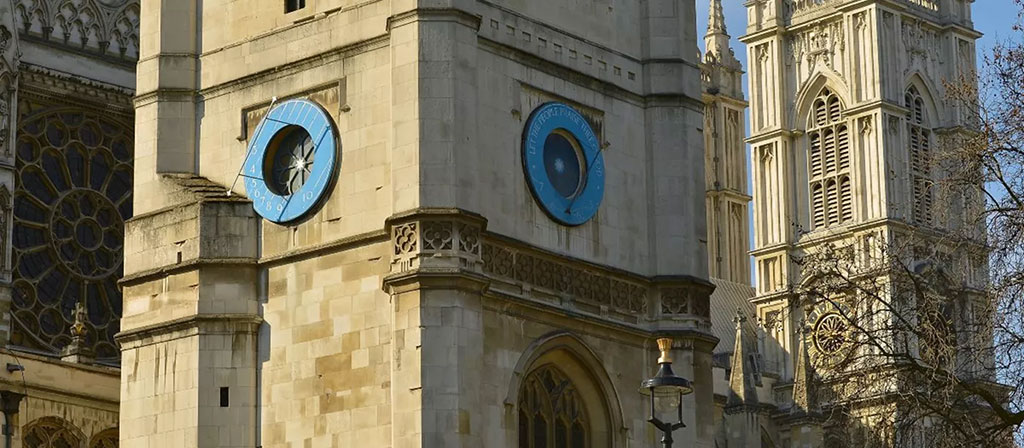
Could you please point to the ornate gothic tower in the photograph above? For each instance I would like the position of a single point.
(414, 223)
(846, 102)
(725, 154)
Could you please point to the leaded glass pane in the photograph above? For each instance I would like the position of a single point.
(540, 432)
(550, 414)
(561, 434)
(524, 429)
(579, 437)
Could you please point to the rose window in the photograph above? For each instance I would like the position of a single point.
(73, 195)
(830, 333)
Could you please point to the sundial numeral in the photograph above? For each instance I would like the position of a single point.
(293, 157)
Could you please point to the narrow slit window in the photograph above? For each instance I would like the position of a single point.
(224, 397)
(294, 5)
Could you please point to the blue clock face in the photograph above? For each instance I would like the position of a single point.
(292, 162)
(563, 163)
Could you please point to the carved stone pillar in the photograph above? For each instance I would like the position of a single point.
(436, 286)
(9, 55)
(683, 312)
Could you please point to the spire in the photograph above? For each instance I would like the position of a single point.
(742, 387)
(716, 41)
(722, 71)
(804, 401)
(716, 19)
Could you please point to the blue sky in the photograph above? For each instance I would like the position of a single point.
(994, 18)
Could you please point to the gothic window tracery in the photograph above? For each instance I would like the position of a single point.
(72, 196)
(828, 149)
(920, 147)
(105, 439)
(50, 432)
(551, 412)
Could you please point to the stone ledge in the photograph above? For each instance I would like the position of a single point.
(51, 379)
(435, 15)
(422, 279)
(66, 89)
(208, 92)
(186, 327)
(190, 265)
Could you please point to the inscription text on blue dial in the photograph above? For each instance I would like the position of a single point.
(563, 163)
(292, 161)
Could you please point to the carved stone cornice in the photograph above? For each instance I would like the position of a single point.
(434, 15)
(450, 248)
(62, 88)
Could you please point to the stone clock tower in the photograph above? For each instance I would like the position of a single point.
(414, 224)
(846, 113)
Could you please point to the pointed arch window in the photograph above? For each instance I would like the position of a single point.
(551, 412)
(51, 432)
(828, 159)
(919, 144)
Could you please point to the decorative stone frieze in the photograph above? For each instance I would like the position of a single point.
(798, 7)
(579, 286)
(108, 27)
(918, 39)
(794, 7)
(445, 239)
(819, 47)
(447, 242)
(682, 303)
(590, 289)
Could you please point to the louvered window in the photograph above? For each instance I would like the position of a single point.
(828, 141)
(919, 136)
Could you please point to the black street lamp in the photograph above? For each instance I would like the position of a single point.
(666, 388)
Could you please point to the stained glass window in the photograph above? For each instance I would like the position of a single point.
(551, 414)
(73, 193)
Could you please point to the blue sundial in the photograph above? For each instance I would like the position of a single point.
(563, 163)
(292, 161)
